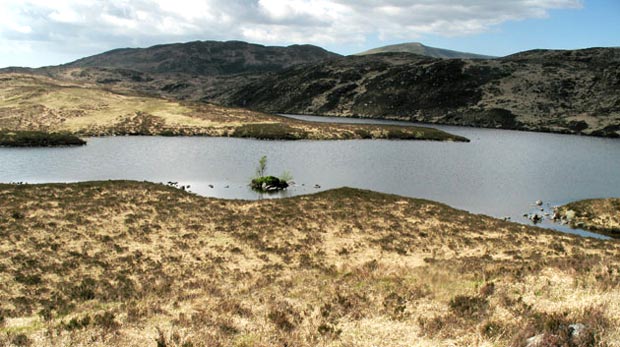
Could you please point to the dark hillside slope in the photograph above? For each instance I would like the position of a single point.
(558, 91)
(206, 58)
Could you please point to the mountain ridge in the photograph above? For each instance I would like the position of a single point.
(206, 58)
(563, 91)
(421, 49)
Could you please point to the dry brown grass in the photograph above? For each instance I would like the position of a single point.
(137, 264)
(29, 102)
(600, 215)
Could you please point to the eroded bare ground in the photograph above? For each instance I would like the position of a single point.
(138, 264)
(32, 102)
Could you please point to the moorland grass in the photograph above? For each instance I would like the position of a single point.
(121, 263)
(598, 215)
(38, 139)
(29, 102)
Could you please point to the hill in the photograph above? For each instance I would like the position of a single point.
(418, 48)
(557, 91)
(37, 103)
(206, 58)
(563, 91)
(138, 264)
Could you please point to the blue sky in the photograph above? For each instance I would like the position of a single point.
(596, 24)
(40, 32)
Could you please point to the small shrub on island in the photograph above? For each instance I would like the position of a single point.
(268, 183)
(264, 183)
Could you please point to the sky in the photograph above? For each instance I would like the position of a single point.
(37, 33)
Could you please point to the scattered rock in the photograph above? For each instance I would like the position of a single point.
(539, 202)
(534, 341)
(576, 329)
(316, 186)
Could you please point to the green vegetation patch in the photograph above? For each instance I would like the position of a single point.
(268, 183)
(269, 131)
(38, 139)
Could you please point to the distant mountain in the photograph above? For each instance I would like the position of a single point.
(565, 91)
(418, 48)
(206, 58)
(572, 91)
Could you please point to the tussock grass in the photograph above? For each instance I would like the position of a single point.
(598, 215)
(37, 103)
(123, 263)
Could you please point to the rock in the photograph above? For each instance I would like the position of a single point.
(506, 218)
(534, 341)
(539, 202)
(316, 186)
(576, 329)
(570, 215)
(536, 218)
(210, 186)
(227, 187)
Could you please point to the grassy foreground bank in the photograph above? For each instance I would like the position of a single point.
(37, 103)
(137, 264)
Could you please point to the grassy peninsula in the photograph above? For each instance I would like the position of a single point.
(38, 139)
(123, 263)
(598, 215)
(38, 103)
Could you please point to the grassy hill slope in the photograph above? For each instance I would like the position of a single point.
(128, 264)
(30, 102)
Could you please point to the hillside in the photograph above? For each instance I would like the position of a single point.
(206, 58)
(558, 91)
(572, 91)
(138, 264)
(418, 48)
(37, 103)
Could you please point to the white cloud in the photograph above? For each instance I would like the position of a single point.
(82, 25)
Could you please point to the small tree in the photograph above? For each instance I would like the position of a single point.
(262, 166)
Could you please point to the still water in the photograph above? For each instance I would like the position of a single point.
(499, 173)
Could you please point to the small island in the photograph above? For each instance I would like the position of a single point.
(267, 184)
(597, 215)
(38, 139)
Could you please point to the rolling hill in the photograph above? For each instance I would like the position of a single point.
(564, 91)
(418, 48)
(120, 263)
(38, 103)
(206, 58)
(557, 91)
